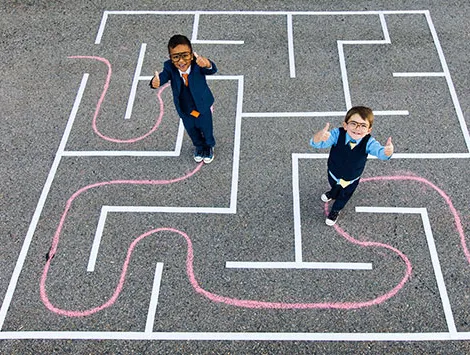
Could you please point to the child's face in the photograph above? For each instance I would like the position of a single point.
(181, 56)
(357, 127)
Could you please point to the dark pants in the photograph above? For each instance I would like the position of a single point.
(200, 130)
(339, 194)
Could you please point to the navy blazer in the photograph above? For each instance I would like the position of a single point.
(198, 87)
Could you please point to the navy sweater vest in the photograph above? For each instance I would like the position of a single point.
(346, 163)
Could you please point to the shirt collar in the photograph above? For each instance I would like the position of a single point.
(349, 139)
(185, 72)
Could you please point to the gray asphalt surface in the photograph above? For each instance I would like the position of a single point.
(39, 85)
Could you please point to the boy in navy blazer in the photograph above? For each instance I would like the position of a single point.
(192, 97)
(350, 146)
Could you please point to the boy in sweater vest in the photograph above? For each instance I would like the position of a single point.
(350, 146)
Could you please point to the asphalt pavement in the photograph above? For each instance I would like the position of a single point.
(113, 240)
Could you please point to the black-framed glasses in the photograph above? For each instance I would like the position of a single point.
(354, 125)
(175, 57)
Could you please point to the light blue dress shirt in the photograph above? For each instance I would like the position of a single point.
(373, 147)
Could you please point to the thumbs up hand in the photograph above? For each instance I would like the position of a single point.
(388, 147)
(156, 80)
(203, 62)
(322, 135)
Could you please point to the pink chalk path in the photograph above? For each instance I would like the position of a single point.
(245, 303)
(55, 241)
(101, 99)
(447, 199)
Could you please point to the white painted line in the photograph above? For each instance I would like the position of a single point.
(392, 113)
(224, 77)
(431, 155)
(154, 298)
(236, 145)
(179, 138)
(41, 202)
(297, 265)
(321, 114)
(99, 35)
(437, 336)
(290, 45)
(294, 114)
(344, 75)
(281, 13)
(296, 207)
(120, 153)
(169, 209)
(402, 210)
(438, 272)
(135, 81)
(310, 155)
(433, 253)
(214, 41)
(419, 74)
(384, 28)
(195, 26)
(97, 240)
(364, 42)
(450, 84)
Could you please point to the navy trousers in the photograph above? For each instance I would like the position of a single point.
(200, 130)
(339, 194)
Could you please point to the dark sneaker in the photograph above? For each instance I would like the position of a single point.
(198, 155)
(208, 155)
(332, 218)
(326, 197)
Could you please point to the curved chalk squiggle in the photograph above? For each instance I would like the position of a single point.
(55, 242)
(447, 199)
(215, 297)
(101, 99)
(222, 299)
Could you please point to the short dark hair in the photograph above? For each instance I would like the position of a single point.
(365, 113)
(176, 40)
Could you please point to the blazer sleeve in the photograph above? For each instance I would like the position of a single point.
(164, 76)
(209, 71)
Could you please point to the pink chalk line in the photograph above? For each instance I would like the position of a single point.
(55, 241)
(101, 99)
(234, 301)
(447, 199)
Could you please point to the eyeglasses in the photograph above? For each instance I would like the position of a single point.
(175, 57)
(354, 125)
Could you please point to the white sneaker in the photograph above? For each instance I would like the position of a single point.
(198, 155)
(324, 197)
(332, 218)
(209, 155)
